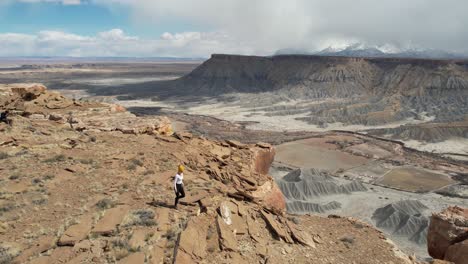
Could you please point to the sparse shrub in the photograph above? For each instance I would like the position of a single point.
(36, 181)
(121, 248)
(131, 167)
(295, 220)
(170, 244)
(171, 234)
(105, 204)
(136, 162)
(348, 239)
(142, 217)
(56, 158)
(39, 201)
(93, 139)
(14, 177)
(21, 152)
(7, 254)
(4, 155)
(86, 161)
(49, 177)
(225, 181)
(148, 236)
(6, 208)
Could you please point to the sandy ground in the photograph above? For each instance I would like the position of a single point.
(416, 180)
(316, 153)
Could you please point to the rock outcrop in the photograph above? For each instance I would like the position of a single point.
(72, 191)
(447, 237)
(35, 101)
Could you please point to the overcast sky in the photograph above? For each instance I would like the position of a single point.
(198, 28)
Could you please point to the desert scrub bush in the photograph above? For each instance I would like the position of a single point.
(131, 167)
(36, 181)
(105, 203)
(121, 248)
(86, 161)
(39, 201)
(14, 177)
(148, 236)
(141, 217)
(48, 177)
(7, 207)
(136, 162)
(4, 155)
(172, 234)
(56, 158)
(7, 253)
(295, 220)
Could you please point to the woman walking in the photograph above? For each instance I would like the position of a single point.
(179, 185)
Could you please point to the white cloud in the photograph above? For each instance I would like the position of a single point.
(116, 43)
(264, 26)
(115, 35)
(64, 2)
(268, 25)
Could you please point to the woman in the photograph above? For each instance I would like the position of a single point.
(179, 185)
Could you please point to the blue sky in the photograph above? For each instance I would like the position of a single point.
(198, 28)
(83, 19)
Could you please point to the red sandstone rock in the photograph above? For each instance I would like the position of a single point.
(262, 159)
(448, 228)
(458, 253)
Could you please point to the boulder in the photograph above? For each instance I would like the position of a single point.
(262, 158)
(271, 195)
(225, 212)
(458, 253)
(28, 92)
(446, 229)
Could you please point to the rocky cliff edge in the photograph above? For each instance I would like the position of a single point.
(84, 182)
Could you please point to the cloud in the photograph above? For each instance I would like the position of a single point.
(64, 2)
(262, 27)
(268, 25)
(116, 43)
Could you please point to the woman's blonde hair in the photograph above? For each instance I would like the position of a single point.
(180, 169)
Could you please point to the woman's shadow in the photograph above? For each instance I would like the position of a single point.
(157, 203)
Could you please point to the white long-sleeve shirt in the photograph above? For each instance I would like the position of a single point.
(178, 179)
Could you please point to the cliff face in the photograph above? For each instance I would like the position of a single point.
(94, 192)
(327, 76)
(343, 90)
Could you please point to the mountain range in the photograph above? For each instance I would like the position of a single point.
(363, 50)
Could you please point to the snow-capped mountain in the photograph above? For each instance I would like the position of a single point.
(363, 50)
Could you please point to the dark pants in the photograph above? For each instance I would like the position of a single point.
(179, 192)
